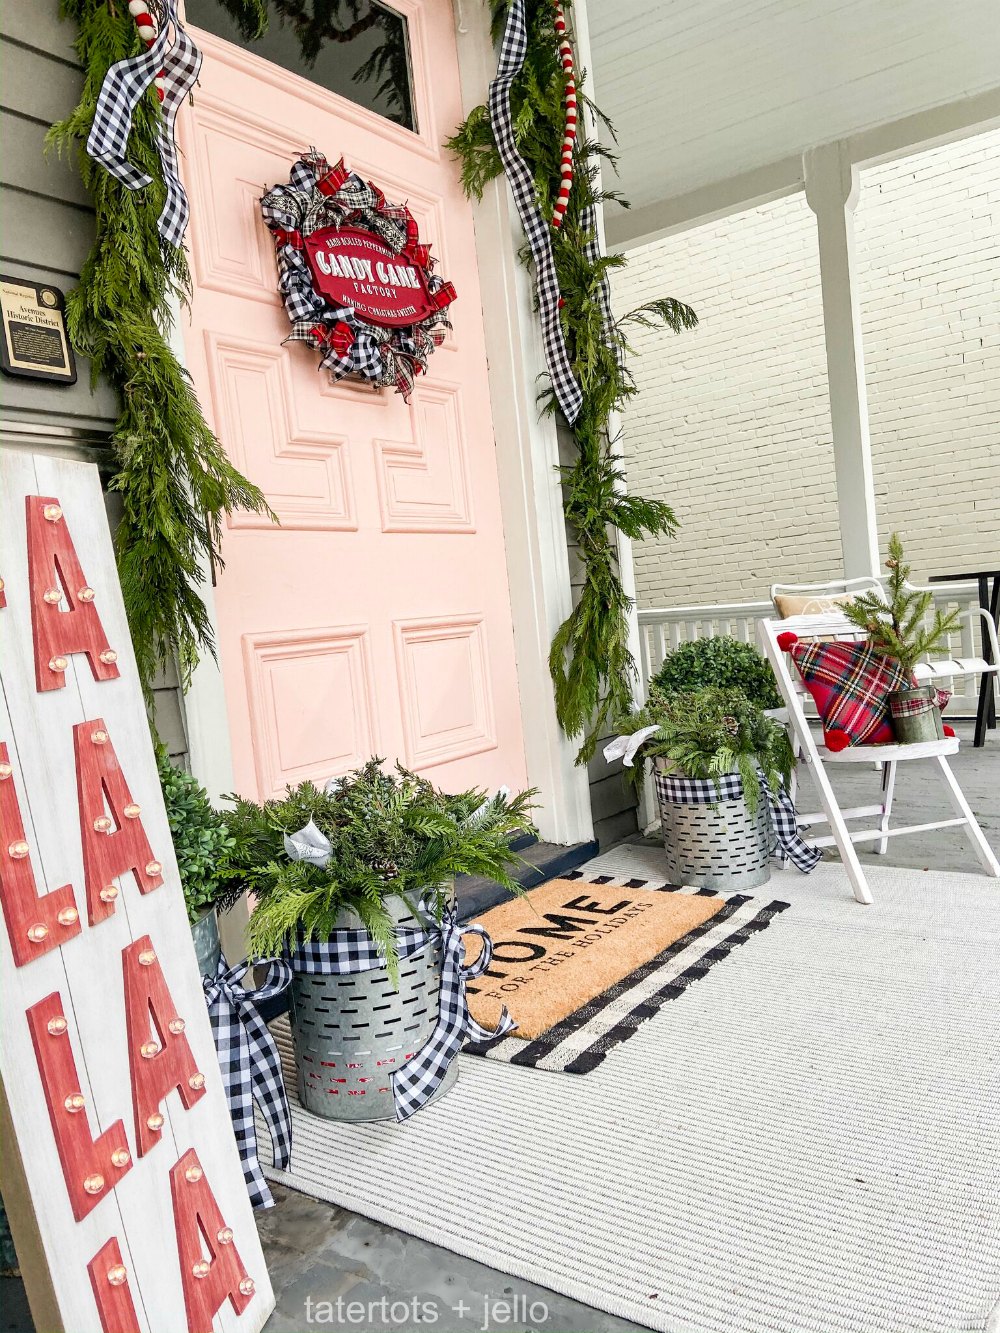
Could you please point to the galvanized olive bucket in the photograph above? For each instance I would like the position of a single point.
(915, 715)
(721, 846)
(351, 1031)
(207, 947)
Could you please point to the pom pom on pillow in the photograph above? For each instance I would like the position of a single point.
(786, 639)
(949, 731)
(836, 739)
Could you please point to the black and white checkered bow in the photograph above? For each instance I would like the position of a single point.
(729, 787)
(251, 1066)
(512, 52)
(176, 55)
(416, 1082)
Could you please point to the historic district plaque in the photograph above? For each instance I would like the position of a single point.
(34, 342)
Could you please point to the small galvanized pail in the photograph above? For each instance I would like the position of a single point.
(352, 1030)
(207, 948)
(721, 846)
(915, 715)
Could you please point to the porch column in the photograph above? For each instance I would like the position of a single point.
(831, 186)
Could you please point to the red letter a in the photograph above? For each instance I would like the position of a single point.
(207, 1282)
(156, 1067)
(53, 567)
(108, 851)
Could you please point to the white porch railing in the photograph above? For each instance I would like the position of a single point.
(661, 630)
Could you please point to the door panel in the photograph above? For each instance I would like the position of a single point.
(376, 619)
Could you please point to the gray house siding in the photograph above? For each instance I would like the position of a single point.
(46, 231)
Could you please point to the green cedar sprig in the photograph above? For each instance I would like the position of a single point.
(592, 668)
(391, 834)
(706, 733)
(897, 622)
(173, 475)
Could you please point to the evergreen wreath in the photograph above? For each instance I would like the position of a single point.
(591, 666)
(171, 472)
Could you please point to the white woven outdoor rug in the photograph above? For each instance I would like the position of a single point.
(806, 1142)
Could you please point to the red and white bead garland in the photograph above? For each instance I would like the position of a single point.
(569, 136)
(139, 9)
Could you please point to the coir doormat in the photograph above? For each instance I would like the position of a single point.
(580, 964)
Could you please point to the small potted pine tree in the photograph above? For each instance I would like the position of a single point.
(900, 626)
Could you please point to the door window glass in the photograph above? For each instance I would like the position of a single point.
(357, 48)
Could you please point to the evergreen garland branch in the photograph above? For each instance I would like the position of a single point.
(592, 668)
(172, 473)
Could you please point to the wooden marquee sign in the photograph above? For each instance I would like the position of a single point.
(120, 1174)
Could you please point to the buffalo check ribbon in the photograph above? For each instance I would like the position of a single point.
(729, 787)
(251, 1066)
(513, 50)
(173, 53)
(416, 1082)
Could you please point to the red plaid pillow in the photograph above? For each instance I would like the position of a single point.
(851, 686)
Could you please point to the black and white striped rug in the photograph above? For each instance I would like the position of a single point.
(579, 1043)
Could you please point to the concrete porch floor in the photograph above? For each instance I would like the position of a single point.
(319, 1254)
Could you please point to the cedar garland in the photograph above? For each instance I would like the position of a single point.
(172, 474)
(591, 666)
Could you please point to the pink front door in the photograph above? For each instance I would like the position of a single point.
(376, 619)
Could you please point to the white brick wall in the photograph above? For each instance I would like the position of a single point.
(732, 425)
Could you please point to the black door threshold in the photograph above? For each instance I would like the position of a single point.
(543, 861)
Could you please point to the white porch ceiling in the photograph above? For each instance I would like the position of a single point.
(701, 91)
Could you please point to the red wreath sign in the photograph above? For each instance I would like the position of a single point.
(358, 285)
(355, 268)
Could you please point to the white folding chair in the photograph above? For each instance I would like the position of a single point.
(940, 671)
(835, 626)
